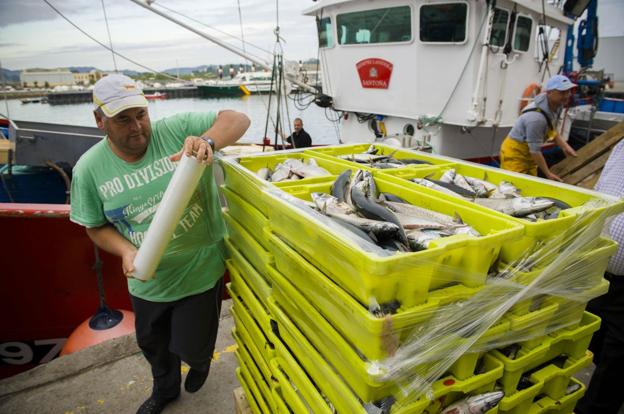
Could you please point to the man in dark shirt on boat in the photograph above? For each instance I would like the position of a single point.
(116, 188)
(301, 138)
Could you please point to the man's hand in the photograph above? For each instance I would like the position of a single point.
(127, 262)
(195, 146)
(554, 177)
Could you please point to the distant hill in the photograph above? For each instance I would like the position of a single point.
(81, 69)
(187, 70)
(11, 76)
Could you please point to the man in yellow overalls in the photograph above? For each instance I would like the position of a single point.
(521, 149)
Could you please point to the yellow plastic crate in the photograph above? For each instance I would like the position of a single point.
(247, 363)
(257, 283)
(251, 249)
(251, 398)
(570, 342)
(333, 152)
(291, 377)
(564, 405)
(241, 294)
(359, 373)
(247, 215)
(550, 381)
(406, 277)
(280, 401)
(257, 345)
(373, 336)
(240, 176)
(530, 187)
(447, 389)
(257, 386)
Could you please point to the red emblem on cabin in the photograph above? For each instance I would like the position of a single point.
(374, 73)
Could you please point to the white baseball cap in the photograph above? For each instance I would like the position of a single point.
(116, 93)
(560, 83)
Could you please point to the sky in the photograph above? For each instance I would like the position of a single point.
(34, 35)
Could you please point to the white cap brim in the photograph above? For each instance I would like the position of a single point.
(119, 105)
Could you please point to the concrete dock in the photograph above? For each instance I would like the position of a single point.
(113, 377)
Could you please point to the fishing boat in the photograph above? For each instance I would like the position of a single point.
(155, 96)
(444, 74)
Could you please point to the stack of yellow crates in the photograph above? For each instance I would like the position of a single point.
(316, 315)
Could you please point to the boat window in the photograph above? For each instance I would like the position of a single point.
(325, 34)
(522, 34)
(375, 26)
(499, 28)
(444, 22)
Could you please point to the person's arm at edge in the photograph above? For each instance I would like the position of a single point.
(565, 147)
(538, 157)
(107, 238)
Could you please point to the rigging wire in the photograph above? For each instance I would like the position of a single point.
(110, 40)
(104, 46)
(240, 20)
(544, 40)
(215, 29)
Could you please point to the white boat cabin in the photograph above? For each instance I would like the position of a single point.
(450, 74)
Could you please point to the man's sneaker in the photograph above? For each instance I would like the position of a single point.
(195, 379)
(154, 405)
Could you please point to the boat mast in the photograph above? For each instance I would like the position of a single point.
(292, 78)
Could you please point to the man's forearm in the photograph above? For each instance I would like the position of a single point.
(541, 162)
(228, 128)
(109, 239)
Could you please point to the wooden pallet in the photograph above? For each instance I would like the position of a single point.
(240, 401)
(584, 170)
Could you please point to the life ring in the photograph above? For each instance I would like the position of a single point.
(530, 92)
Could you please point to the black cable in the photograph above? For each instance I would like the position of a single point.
(103, 45)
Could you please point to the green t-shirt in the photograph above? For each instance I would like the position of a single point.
(107, 189)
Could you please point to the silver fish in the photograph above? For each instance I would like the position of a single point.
(478, 404)
(415, 211)
(263, 174)
(448, 175)
(332, 207)
(430, 184)
(505, 189)
(340, 186)
(479, 186)
(305, 170)
(413, 223)
(420, 239)
(371, 209)
(516, 207)
(312, 161)
(364, 158)
(460, 181)
(489, 187)
(281, 172)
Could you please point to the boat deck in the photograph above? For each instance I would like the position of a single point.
(113, 377)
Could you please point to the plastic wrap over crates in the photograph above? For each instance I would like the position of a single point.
(391, 325)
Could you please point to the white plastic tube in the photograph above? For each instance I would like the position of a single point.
(174, 201)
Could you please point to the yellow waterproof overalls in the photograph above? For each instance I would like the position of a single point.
(515, 156)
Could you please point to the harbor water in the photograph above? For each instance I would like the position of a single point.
(316, 121)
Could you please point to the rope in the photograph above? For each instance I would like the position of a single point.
(103, 45)
(110, 40)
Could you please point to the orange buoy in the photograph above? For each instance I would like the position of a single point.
(530, 92)
(105, 324)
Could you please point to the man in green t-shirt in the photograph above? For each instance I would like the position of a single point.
(116, 188)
